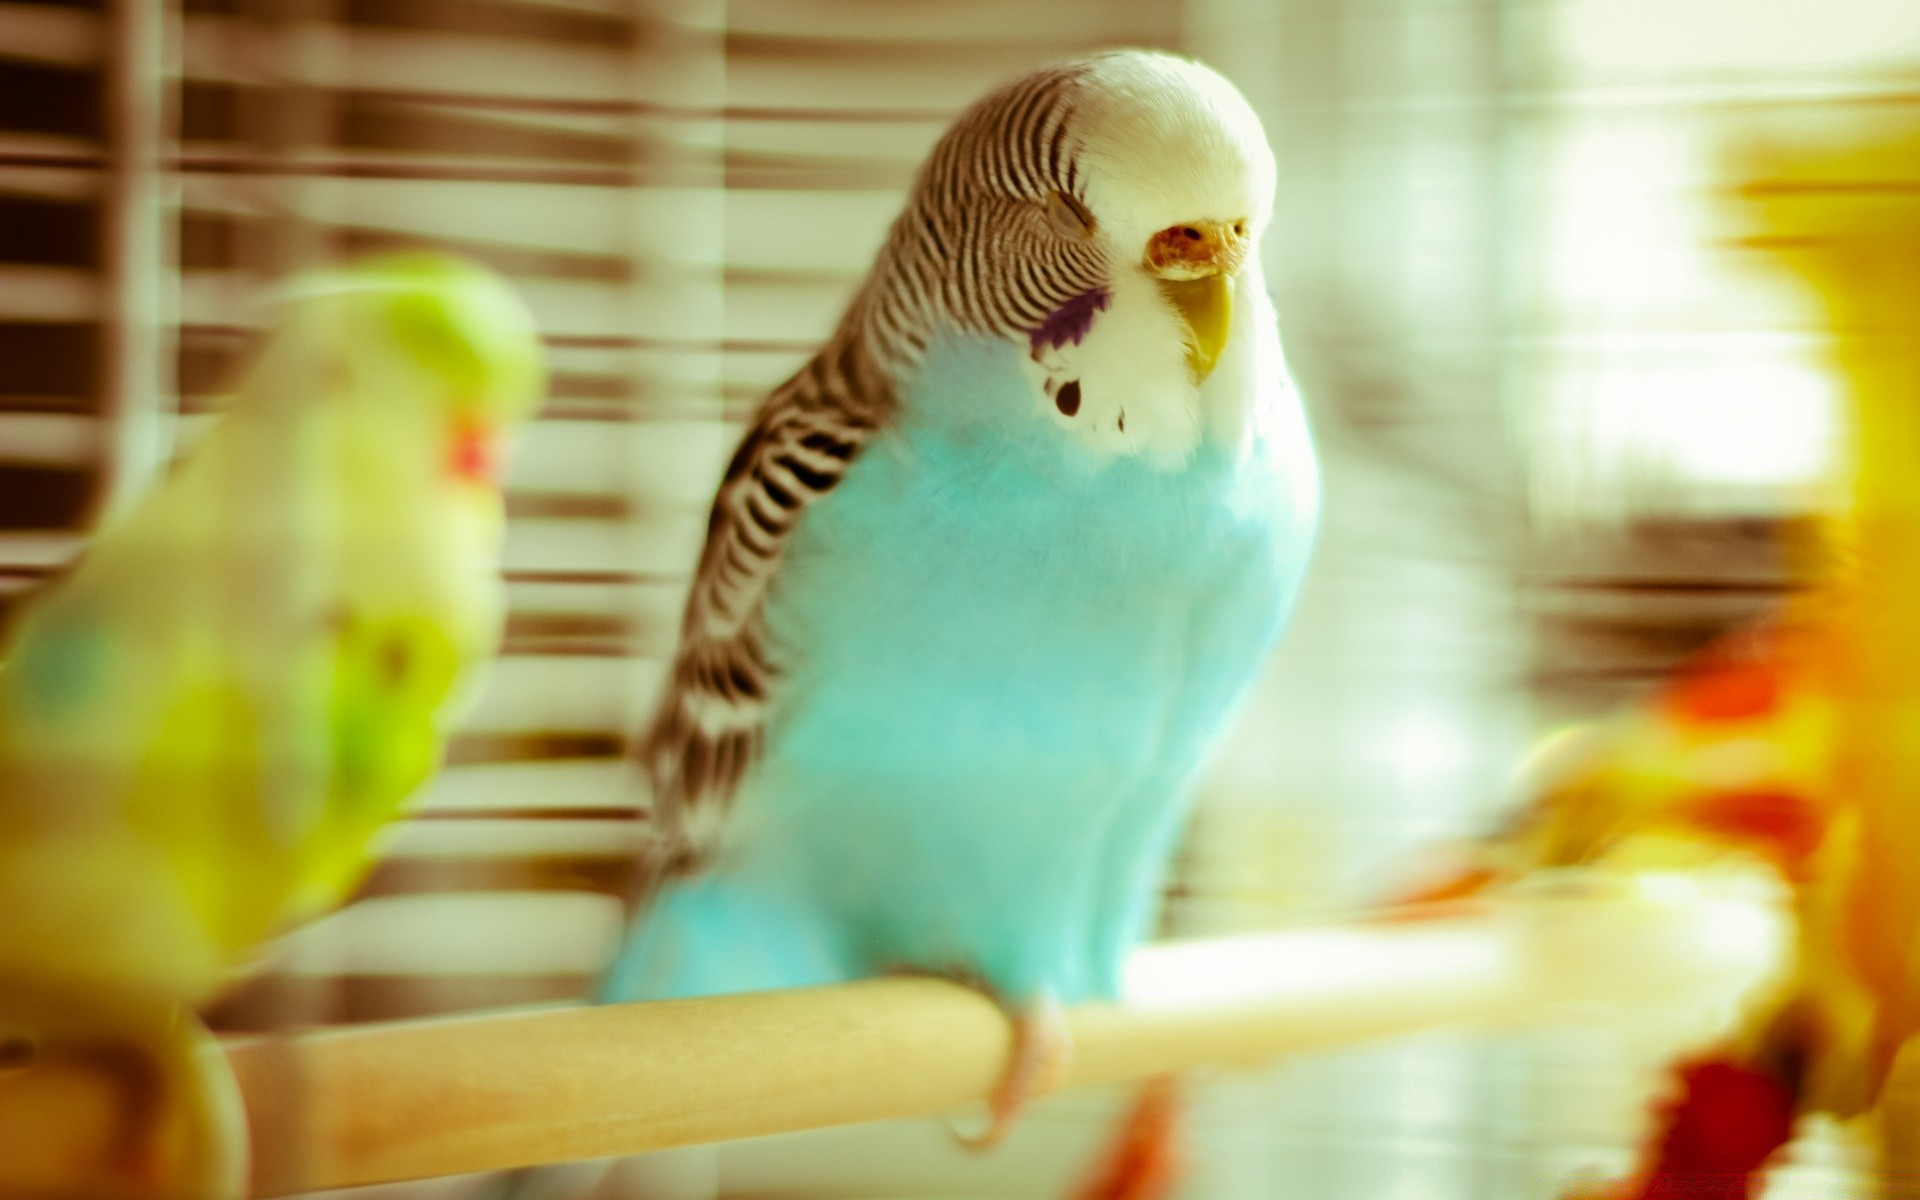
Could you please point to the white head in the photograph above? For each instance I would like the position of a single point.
(1105, 215)
(1168, 143)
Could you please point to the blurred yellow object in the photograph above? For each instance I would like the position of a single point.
(1850, 224)
(1794, 746)
(205, 723)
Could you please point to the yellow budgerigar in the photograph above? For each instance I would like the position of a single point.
(204, 724)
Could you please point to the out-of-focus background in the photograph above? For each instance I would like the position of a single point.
(1565, 412)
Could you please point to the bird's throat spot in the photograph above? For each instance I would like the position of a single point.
(1067, 399)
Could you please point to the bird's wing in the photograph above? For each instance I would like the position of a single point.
(709, 727)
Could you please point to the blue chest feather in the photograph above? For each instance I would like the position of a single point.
(1001, 667)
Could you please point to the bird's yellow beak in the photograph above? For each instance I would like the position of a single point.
(1195, 265)
(1207, 305)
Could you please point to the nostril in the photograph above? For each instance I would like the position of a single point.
(1192, 234)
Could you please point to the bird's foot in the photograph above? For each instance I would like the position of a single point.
(1042, 1051)
(110, 1100)
(1143, 1162)
(183, 1133)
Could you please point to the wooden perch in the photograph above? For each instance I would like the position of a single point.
(407, 1100)
(374, 1103)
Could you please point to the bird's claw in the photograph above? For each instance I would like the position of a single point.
(1042, 1051)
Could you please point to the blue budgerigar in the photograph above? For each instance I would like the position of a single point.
(987, 578)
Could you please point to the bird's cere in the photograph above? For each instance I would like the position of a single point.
(1198, 250)
(476, 452)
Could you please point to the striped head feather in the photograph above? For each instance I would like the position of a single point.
(1100, 214)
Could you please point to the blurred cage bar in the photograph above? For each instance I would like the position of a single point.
(1566, 418)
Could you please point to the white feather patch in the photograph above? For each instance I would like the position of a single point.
(1137, 395)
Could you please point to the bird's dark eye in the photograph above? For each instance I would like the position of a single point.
(1193, 235)
(1069, 217)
